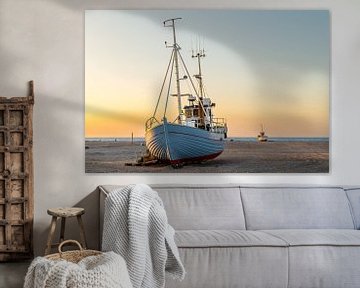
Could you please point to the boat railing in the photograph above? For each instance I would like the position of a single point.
(218, 125)
(221, 122)
(150, 123)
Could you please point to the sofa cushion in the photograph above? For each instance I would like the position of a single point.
(315, 237)
(220, 267)
(226, 238)
(199, 207)
(204, 208)
(324, 266)
(296, 208)
(322, 258)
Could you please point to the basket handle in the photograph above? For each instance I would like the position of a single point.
(69, 241)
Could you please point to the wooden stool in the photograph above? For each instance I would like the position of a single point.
(64, 213)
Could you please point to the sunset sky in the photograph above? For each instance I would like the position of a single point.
(261, 67)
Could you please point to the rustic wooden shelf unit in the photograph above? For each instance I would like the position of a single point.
(16, 177)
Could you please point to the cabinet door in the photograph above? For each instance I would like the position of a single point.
(16, 208)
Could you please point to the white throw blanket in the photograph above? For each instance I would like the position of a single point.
(102, 271)
(136, 227)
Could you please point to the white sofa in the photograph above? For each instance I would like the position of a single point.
(242, 236)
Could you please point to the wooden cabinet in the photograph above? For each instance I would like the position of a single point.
(16, 177)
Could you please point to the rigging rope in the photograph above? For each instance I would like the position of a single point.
(169, 87)
(163, 84)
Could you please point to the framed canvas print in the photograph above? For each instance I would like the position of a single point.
(207, 91)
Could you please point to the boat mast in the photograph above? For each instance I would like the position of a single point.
(198, 55)
(176, 48)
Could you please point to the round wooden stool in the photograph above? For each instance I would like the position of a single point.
(64, 213)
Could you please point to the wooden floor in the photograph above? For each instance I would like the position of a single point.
(12, 274)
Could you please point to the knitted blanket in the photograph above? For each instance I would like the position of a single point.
(136, 227)
(103, 271)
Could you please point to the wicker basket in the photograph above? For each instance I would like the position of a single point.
(72, 256)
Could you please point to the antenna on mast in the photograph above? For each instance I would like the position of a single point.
(171, 20)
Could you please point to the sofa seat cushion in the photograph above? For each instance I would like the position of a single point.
(324, 258)
(317, 237)
(235, 267)
(225, 238)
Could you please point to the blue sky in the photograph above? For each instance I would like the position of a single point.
(262, 66)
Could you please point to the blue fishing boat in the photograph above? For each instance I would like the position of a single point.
(195, 134)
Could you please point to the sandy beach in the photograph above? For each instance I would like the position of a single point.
(238, 157)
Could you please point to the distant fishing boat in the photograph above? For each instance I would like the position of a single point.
(195, 134)
(262, 137)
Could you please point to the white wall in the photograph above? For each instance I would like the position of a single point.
(44, 41)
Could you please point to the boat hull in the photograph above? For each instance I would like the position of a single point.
(179, 144)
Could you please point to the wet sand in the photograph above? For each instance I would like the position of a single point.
(238, 157)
